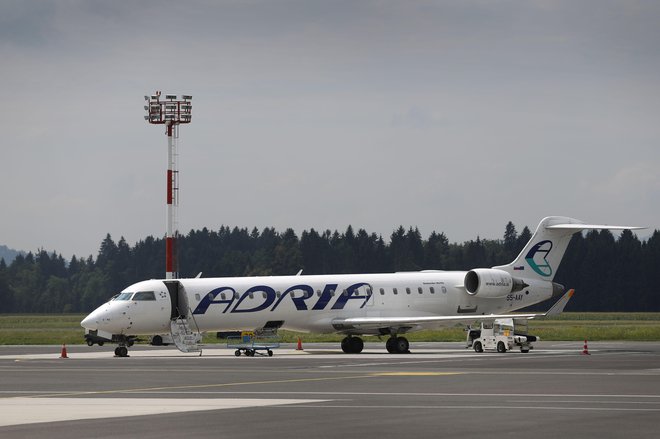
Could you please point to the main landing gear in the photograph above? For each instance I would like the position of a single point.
(397, 345)
(352, 345)
(394, 345)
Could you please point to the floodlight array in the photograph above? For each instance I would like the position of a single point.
(172, 110)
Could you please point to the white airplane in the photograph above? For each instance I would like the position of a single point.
(388, 304)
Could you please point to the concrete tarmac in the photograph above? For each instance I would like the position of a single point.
(438, 390)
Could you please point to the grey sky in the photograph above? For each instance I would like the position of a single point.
(450, 116)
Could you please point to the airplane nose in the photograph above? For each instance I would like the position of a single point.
(91, 321)
(86, 322)
(113, 319)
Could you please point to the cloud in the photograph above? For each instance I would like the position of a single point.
(321, 114)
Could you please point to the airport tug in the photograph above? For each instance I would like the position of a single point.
(500, 335)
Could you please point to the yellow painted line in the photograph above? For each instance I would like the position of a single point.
(416, 374)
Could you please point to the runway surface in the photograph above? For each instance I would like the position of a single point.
(439, 390)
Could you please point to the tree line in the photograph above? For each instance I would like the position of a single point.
(608, 273)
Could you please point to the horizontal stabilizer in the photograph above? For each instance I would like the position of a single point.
(592, 226)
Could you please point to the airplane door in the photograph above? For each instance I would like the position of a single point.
(178, 299)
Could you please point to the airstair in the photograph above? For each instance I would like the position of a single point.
(184, 337)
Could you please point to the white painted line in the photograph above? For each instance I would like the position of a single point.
(16, 411)
(480, 407)
(654, 399)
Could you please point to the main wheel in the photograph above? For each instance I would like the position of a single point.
(501, 348)
(390, 345)
(356, 345)
(478, 347)
(352, 345)
(346, 345)
(401, 345)
(121, 351)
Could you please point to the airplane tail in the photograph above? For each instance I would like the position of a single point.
(543, 253)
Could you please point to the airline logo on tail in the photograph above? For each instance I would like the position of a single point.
(537, 258)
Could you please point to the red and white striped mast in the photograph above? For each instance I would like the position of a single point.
(170, 112)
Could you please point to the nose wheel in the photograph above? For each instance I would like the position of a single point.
(121, 351)
(124, 344)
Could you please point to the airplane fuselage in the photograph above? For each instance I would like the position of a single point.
(301, 303)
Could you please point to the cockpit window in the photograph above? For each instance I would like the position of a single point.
(123, 296)
(144, 295)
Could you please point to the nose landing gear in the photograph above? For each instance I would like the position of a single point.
(124, 344)
(121, 351)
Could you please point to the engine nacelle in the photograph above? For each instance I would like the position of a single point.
(492, 283)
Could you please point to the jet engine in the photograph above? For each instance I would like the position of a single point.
(491, 283)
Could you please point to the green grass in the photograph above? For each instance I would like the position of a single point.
(26, 329)
(599, 326)
(19, 329)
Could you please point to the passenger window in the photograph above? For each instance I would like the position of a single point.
(432, 290)
(144, 295)
(395, 291)
(197, 298)
(278, 294)
(345, 293)
(251, 295)
(382, 291)
(222, 296)
(419, 290)
(236, 295)
(264, 295)
(407, 290)
(318, 293)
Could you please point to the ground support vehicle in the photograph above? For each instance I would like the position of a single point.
(250, 344)
(501, 335)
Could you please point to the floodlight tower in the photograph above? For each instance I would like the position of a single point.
(170, 112)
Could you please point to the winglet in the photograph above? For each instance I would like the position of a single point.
(559, 306)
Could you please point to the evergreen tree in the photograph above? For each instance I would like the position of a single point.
(608, 274)
(510, 242)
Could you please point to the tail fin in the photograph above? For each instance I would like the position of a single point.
(542, 255)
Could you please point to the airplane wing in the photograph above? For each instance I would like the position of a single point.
(372, 323)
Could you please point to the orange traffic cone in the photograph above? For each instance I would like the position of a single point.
(585, 351)
(299, 348)
(63, 354)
